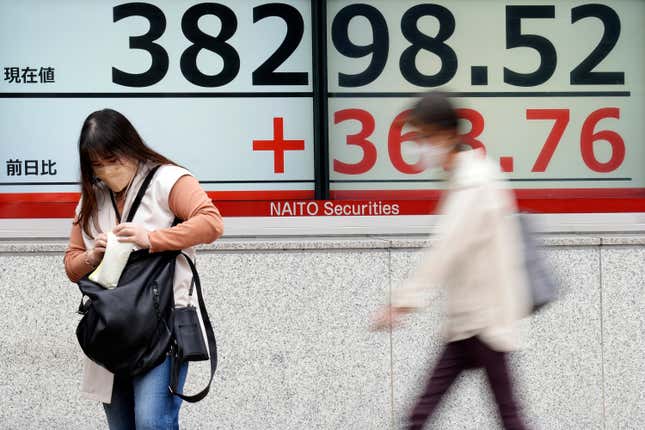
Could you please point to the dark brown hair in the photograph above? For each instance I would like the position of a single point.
(434, 109)
(107, 134)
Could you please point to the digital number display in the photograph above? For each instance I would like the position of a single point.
(552, 91)
(223, 88)
(262, 106)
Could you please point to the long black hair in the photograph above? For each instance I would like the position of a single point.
(107, 134)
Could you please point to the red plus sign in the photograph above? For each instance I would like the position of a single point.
(278, 145)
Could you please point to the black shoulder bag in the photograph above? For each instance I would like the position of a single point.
(127, 329)
(188, 344)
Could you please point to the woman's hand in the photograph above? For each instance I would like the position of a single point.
(133, 233)
(95, 255)
(388, 317)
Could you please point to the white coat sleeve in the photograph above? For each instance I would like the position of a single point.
(461, 227)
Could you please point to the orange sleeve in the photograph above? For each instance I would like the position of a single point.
(76, 265)
(202, 221)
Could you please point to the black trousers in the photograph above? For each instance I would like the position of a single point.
(467, 354)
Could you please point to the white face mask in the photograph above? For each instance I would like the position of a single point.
(116, 176)
(430, 156)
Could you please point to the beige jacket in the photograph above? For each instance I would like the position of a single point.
(153, 214)
(477, 256)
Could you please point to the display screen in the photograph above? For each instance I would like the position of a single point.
(552, 91)
(224, 89)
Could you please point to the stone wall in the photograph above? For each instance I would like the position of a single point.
(292, 315)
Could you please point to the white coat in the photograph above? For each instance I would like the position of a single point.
(477, 256)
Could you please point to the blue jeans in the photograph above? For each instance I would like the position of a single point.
(143, 402)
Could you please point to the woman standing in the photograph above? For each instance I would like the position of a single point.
(114, 162)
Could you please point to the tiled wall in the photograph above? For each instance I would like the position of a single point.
(292, 322)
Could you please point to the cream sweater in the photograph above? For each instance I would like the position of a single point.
(477, 257)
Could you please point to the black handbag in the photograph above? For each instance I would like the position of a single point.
(188, 343)
(127, 329)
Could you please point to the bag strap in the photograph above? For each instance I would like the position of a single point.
(141, 192)
(212, 345)
(116, 209)
(137, 199)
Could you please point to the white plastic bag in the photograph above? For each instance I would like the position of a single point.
(114, 260)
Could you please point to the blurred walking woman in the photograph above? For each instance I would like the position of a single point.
(114, 162)
(476, 257)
